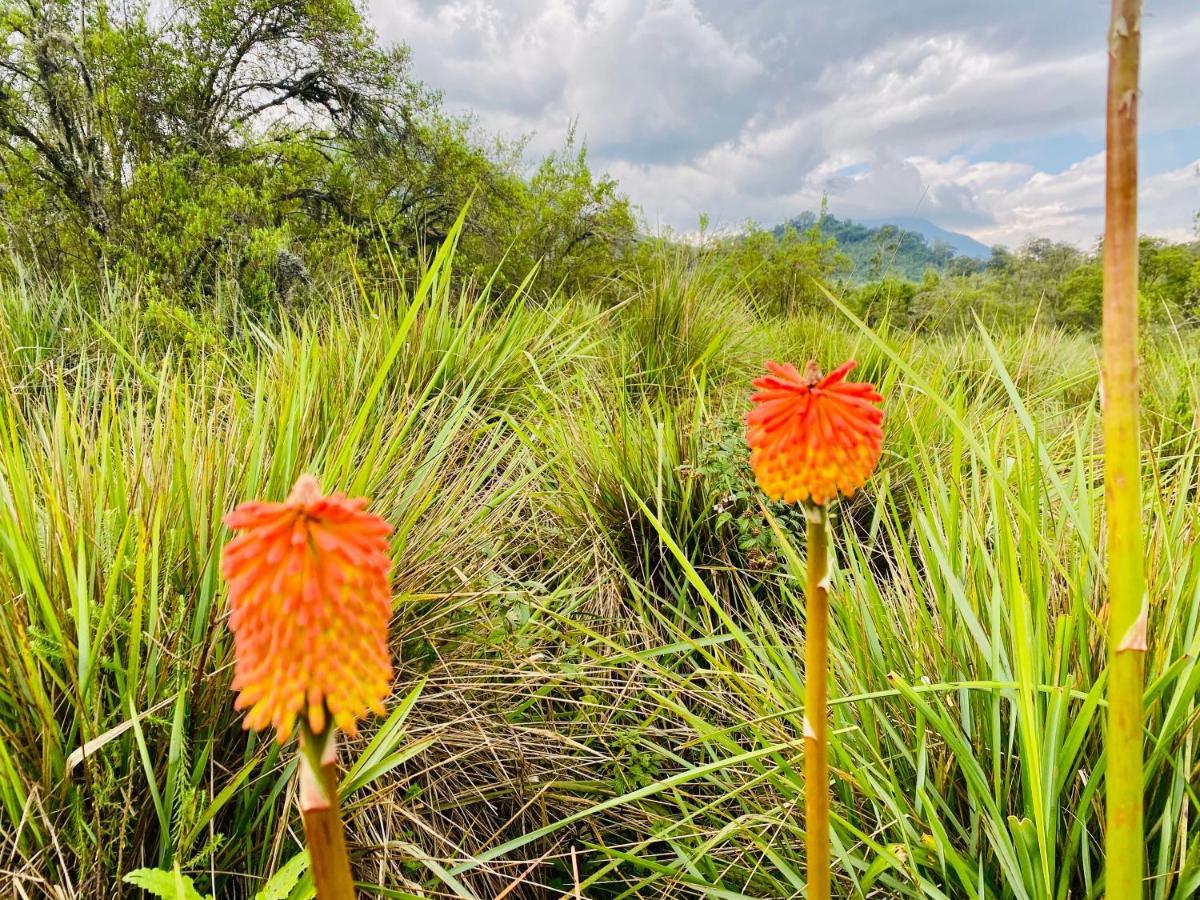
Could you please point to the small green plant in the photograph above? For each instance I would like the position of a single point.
(171, 884)
(165, 884)
(738, 504)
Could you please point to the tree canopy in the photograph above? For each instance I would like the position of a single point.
(195, 140)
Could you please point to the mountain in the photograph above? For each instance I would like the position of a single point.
(962, 244)
(904, 246)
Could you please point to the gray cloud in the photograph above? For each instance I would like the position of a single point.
(897, 187)
(757, 109)
(647, 79)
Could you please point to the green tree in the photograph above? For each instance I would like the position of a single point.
(574, 225)
(259, 141)
(1082, 296)
(93, 94)
(782, 270)
(1165, 272)
(890, 299)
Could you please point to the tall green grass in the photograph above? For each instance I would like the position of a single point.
(599, 628)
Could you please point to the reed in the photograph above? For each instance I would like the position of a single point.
(1127, 598)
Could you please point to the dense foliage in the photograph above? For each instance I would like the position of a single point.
(249, 149)
(874, 251)
(243, 243)
(1043, 280)
(598, 628)
(262, 143)
(895, 274)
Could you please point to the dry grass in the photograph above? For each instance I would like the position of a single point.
(597, 626)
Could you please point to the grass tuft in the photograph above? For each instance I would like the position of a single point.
(599, 633)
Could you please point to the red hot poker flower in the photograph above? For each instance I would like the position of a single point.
(811, 437)
(308, 587)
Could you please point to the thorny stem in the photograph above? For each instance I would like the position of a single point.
(816, 736)
(322, 815)
(1127, 603)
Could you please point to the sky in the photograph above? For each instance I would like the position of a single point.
(985, 118)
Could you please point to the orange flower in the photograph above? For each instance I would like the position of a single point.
(308, 587)
(811, 437)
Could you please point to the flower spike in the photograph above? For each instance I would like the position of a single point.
(308, 588)
(812, 437)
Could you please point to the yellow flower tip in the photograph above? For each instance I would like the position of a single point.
(310, 604)
(812, 437)
(316, 717)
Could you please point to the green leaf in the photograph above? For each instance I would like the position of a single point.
(283, 882)
(169, 885)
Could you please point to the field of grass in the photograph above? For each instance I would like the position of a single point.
(598, 625)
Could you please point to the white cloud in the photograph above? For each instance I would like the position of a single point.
(1007, 203)
(755, 111)
(650, 76)
(1069, 205)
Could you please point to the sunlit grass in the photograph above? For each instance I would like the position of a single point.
(600, 633)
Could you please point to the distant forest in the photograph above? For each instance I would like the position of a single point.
(876, 251)
(229, 160)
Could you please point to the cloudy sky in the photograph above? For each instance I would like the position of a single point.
(987, 118)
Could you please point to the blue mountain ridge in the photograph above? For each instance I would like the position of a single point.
(962, 244)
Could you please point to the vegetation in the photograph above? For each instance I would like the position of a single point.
(1043, 281)
(873, 251)
(244, 152)
(244, 244)
(599, 633)
(263, 143)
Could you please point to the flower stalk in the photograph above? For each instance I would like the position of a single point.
(813, 437)
(816, 703)
(322, 815)
(1127, 600)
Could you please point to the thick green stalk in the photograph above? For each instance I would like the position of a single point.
(816, 697)
(322, 815)
(1122, 476)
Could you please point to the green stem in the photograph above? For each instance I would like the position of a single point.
(1122, 476)
(816, 702)
(322, 815)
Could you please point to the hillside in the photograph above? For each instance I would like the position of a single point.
(962, 244)
(905, 246)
